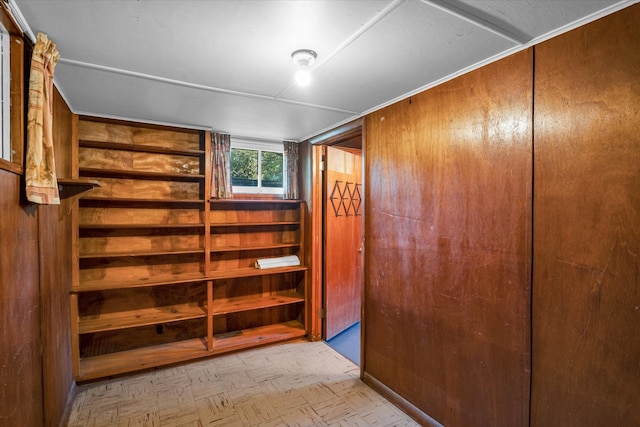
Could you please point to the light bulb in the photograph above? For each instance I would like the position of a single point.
(303, 77)
(303, 58)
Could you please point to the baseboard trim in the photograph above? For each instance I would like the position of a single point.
(400, 402)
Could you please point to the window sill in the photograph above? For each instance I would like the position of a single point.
(11, 167)
(257, 196)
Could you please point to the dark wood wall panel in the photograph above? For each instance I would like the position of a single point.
(448, 246)
(586, 282)
(21, 390)
(20, 360)
(55, 234)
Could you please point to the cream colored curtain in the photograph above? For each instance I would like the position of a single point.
(221, 166)
(40, 167)
(291, 170)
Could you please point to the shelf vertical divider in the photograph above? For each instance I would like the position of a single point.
(210, 315)
(75, 336)
(75, 253)
(302, 212)
(207, 206)
(207, 236)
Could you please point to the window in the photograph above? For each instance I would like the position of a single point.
(5, 94)
(257, 166)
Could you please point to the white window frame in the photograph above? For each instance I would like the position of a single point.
(260, 146)
(5, 93)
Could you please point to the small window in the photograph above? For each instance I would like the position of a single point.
(5, 94)
(257, 166)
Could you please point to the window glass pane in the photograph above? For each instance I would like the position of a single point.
(271, 169)
(5, 125)
(244, 167)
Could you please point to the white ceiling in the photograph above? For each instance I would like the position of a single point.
(226, 65)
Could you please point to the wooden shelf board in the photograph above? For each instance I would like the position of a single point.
(136, 226)
(172, 279)
(249, 338)
(138, 148)
(253, 224)
(142, 317)
(250, 272)
(253, 248)
(160, 176)
(124, 200)
(158, 355)
(236, 305)
(72, 187)
(255, 202)
(142, 358)
(139, 254)
(169, 279)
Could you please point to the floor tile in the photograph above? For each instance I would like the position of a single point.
(299, 383)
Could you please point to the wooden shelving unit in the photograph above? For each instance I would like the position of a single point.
(163, 274)
(243, 296)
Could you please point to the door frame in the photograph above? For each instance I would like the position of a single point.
(342, 135)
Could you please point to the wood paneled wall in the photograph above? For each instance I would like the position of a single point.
(20, 359)
(586, 281)
(55, 243)
(21, 391)
(35, 275)
(448, 246)
(452, 260)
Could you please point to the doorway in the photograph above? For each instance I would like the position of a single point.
(342, 243)
(342, 213)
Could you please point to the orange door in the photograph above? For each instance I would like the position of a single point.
(343, 240)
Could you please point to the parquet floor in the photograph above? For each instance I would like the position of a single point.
(292, 384)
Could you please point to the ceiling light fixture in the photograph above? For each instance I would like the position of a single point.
(303, 58)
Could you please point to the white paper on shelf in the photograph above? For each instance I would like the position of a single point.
(284, 261)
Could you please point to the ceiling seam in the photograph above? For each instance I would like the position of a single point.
(476, 20)
(197, 86)
(349, 40)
